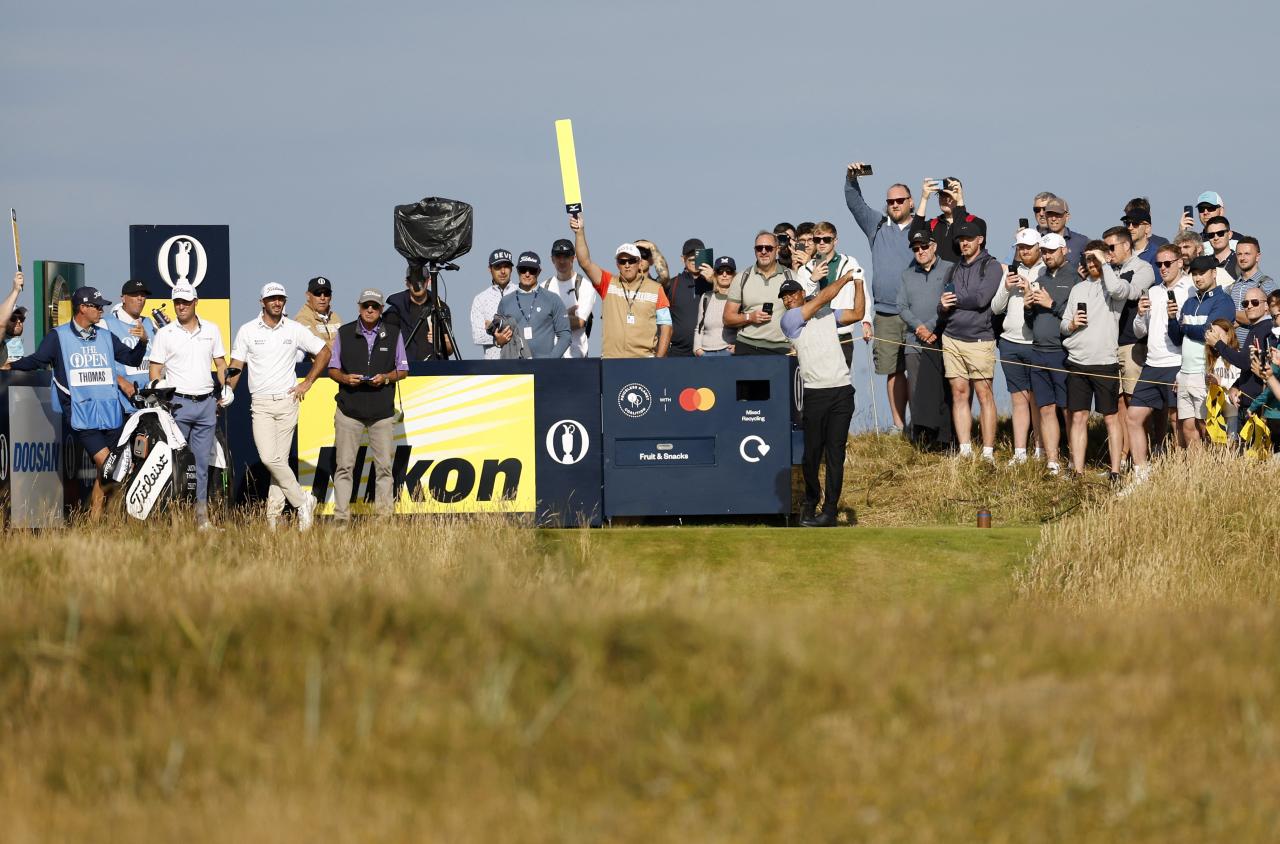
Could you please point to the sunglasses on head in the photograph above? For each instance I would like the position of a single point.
(627, 260)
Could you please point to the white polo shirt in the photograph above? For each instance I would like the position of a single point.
(576, 292)
(270, 353)
(188, 356)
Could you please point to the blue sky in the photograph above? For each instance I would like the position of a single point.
(301, 126)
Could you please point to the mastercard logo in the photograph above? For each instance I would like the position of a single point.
(699, 398)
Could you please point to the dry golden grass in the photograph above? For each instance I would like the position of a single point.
(475, 681)
(1206, 529)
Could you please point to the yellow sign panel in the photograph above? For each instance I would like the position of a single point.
(568, 166)
(466, 445)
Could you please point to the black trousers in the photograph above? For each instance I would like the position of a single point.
(826, 416)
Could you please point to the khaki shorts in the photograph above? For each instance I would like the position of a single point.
(974, 360)
(1193, 395)
(888, 357)
(1132, 357)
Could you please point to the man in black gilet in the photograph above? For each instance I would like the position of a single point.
(368, 359)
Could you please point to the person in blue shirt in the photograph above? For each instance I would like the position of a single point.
(83, 358)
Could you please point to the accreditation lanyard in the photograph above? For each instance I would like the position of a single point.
(630, 300)
(528, 318)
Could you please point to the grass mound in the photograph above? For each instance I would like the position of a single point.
(1205, 529)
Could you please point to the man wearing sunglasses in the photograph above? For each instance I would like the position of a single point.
(633, 307)
(368, 359)
(317, 314)
(887, 233)
(11, 347)
(1137, 219)
(1056, 216)
(755, 303)
(1250, 275)
(685, 289)
(535, 322)
(84, 381)
(1132, 352)
(1222, 247)
(828, 265)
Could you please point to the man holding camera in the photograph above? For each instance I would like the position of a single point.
(484, 307)
(369, 358)
(951, 203)
(684, 290)
(811, 327)
(412, 311)
(531, 322)
(634, 307)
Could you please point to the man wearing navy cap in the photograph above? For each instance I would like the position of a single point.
(1137, 218)
(710, 337)
(317, 314)
(534, 321)
(683, 291)
(576, 293)
(125, 320)
(485, 305)
(411, 311)
(83, 359)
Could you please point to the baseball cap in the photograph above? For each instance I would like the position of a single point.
(628, 249)
(319, 284)
(1057, 205)
(1028, 237)
(562, 247)
(966, 228)
(185, 291)
(269, 289)
(134, 287)
(691, 245)
(1209, 197)
(529, 260)
(499, 256)
(921, 236)
(1136, 217)
(1053, 240)
(1203, 264)
(89, 295)
(790, 286)
(725, 262)
(371, 294)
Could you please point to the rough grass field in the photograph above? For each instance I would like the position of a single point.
(477, 681)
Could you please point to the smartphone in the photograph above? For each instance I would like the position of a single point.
(1023, 223)
(1033, 286)
(865, 170)
(1172, 298)
(949, 287)
(767, 308)
(705, 256)
(1082, 307)
(1187, 210)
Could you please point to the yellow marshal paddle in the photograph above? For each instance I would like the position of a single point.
(17, 245)
(568, 167)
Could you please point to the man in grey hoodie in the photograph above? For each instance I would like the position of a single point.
(1091, 328)
(968, 339)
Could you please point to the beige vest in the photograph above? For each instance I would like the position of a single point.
(637, 337)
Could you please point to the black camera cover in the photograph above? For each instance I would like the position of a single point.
(434, 229)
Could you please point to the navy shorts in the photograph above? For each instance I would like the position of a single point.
(1048, 387)
(1017, 377)
(1157, 396)
(95, 440)
(1095, 387)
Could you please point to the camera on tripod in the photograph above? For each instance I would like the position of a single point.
(430, 234)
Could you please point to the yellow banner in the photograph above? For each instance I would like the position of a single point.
(465, 445)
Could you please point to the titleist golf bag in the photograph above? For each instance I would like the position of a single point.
(152, 462)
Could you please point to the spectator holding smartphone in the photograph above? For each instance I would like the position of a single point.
(712, 338)
(755, 302)
(951, 203)
(826, 266)
(1205, 304)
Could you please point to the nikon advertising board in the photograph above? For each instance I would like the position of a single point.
(476, 437)
(162, 256)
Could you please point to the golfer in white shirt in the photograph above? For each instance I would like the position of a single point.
(268, 346)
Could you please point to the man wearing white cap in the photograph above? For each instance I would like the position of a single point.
(1048, 300)
(268, 346)
(183, 354)
(634, 308)
(1014, 341)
